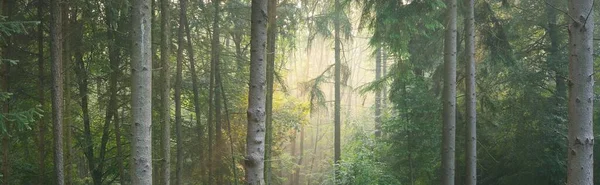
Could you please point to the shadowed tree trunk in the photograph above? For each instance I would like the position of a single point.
(378, 93)
(141, 92)
(271, 40)
(178, 81)
(337, 106)
(165, 41)
(57, 88)
(449, 96)
(581, 93)
(255, 139)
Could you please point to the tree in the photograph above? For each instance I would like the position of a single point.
(337, 106)
(581, 93)
(141, 92)
(255, 139)
(165, 91)
(177, 98)
(57, 88)
(271, 41)
(471, 98)
(378, 58)
(449, 96)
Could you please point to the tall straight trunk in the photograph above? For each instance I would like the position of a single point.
(210, 121)
(581, 93)
(384, 58)
(141, 92)
(57, 88)
(177, 98)
(217, 75)
(215, 52)
(337, 106)
(271, 38)
(449, 96)
(190, 51)
(553, 59)
(41, 93)
(378, 93)
(165, 41)
(255, 139)
(471, 98)
(119, 157)
(67, 94)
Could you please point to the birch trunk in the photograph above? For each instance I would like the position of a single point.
(141, 92)
(255, 140)
(581, 94)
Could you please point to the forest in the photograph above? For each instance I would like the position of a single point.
(299, 92)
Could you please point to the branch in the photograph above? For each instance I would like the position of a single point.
(552, 6)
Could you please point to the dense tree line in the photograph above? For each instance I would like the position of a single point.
(208, 92)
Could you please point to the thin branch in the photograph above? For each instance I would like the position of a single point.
(552, 6)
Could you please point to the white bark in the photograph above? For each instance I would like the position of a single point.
(141, 91)
(581, 94)
(255, 140)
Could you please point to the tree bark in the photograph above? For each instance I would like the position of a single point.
(255, 140)
(165, 91)
(449, 96)
(271, 41)
(67, 94)
(57, 88)
(141, 65)
(337, 106)
(581, 93)
(215, 52)
(471, 98)
(177, 98)
(378, 92)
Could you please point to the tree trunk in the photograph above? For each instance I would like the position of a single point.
(255, 140)
(378, 93)
(141, 91)
(57, 88)
(471, 98)
(67, 106)
(119, 157)
(215, 50)
(271, 41)
(178, 81)
(553, 59)
(41, 92)
(338, 63)
(581, 93)
(449, 96)
(165, 41)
